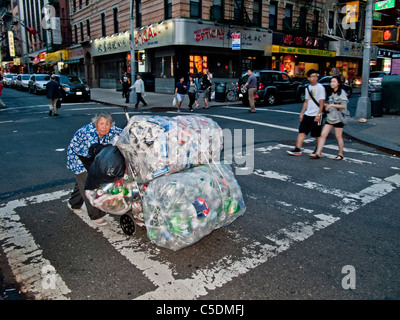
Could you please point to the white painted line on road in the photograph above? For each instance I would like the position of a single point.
(263, 110)
(7, 121)
(255, 254)
(25, 256)
(243, 120)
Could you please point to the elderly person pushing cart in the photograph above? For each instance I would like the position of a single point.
(100, 132)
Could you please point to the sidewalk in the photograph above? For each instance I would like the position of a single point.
(381, 132)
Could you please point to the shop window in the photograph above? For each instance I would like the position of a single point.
(167, 9)
(217, 10)
(257, 12)
(115, 16)
(238, 10)
(287, 21)
(198, 64)
(103, 24)
(76, 33)
(165, 67)
(195, 8)
(273, 9)
(303, 18)
(81, 27)
(138, 13)
(88, 28)
(315, 25)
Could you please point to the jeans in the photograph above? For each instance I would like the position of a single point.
(78, 197)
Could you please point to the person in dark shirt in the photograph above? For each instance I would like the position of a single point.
(180, 91)
(251, 84)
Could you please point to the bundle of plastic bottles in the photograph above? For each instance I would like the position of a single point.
(155, 146)
(182, 208)
(118, 197)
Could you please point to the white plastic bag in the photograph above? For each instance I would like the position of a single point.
(174, 102)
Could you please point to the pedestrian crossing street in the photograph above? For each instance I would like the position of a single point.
(38, 275)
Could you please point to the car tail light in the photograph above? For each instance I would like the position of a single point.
(260, 86)
(237, 86)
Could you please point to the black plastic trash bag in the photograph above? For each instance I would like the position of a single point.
(108, 166)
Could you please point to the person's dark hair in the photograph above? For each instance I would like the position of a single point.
(310, 72)
(339, 90)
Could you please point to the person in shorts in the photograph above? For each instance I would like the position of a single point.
(180, 92)
(311, 114)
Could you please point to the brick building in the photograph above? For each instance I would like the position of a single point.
(178, 37)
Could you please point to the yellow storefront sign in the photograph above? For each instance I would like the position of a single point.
(306, 51)
(54, 57)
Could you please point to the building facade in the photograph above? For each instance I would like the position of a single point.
(178, 37)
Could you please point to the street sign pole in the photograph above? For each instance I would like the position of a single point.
(364, 104)
(132, 95)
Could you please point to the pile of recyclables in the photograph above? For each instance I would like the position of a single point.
(172, 177)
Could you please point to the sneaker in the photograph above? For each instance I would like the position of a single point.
(100, 222)
(77, 211)
(50, 113)
(295, 152)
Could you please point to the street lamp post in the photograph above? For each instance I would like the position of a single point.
(364, 104)
(132, 96)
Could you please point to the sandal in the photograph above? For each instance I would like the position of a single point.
(338, 157)
(315, 156)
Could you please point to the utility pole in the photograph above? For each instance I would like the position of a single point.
(132, 96)
(364, 104)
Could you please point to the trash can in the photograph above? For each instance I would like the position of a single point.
(220, 91)
(375, 96)
(391, 94)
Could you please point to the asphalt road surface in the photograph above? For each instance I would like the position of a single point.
(313, 229)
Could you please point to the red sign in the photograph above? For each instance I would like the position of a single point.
(208, 33)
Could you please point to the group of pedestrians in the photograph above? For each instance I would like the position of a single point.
(192, 88)
(312, 114)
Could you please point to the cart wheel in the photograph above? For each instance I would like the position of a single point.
(127, 224)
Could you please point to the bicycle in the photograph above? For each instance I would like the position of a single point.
(232, 94)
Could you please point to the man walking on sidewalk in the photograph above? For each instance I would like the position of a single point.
(139, 87)
(311, 114)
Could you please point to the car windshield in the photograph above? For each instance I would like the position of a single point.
(43, 78)
(10, 76)
(25, 77)
(70, 80)
(376, 74)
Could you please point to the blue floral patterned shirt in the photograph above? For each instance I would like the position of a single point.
(81, 142)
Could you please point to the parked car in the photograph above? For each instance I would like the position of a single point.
(375, 78)
(38, 82)
(7, 79)
(272, 86)
(22, 82)
(72, 87)
(326, 82)
(14, 82)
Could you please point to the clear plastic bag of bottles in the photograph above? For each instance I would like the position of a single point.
(182, 208)
(155, 146)
(118, 197)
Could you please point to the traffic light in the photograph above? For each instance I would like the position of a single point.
(390, 35)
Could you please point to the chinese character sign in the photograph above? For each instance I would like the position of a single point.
(11, 43)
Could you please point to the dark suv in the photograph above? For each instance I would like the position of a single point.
(272, 86)
(72, 87)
